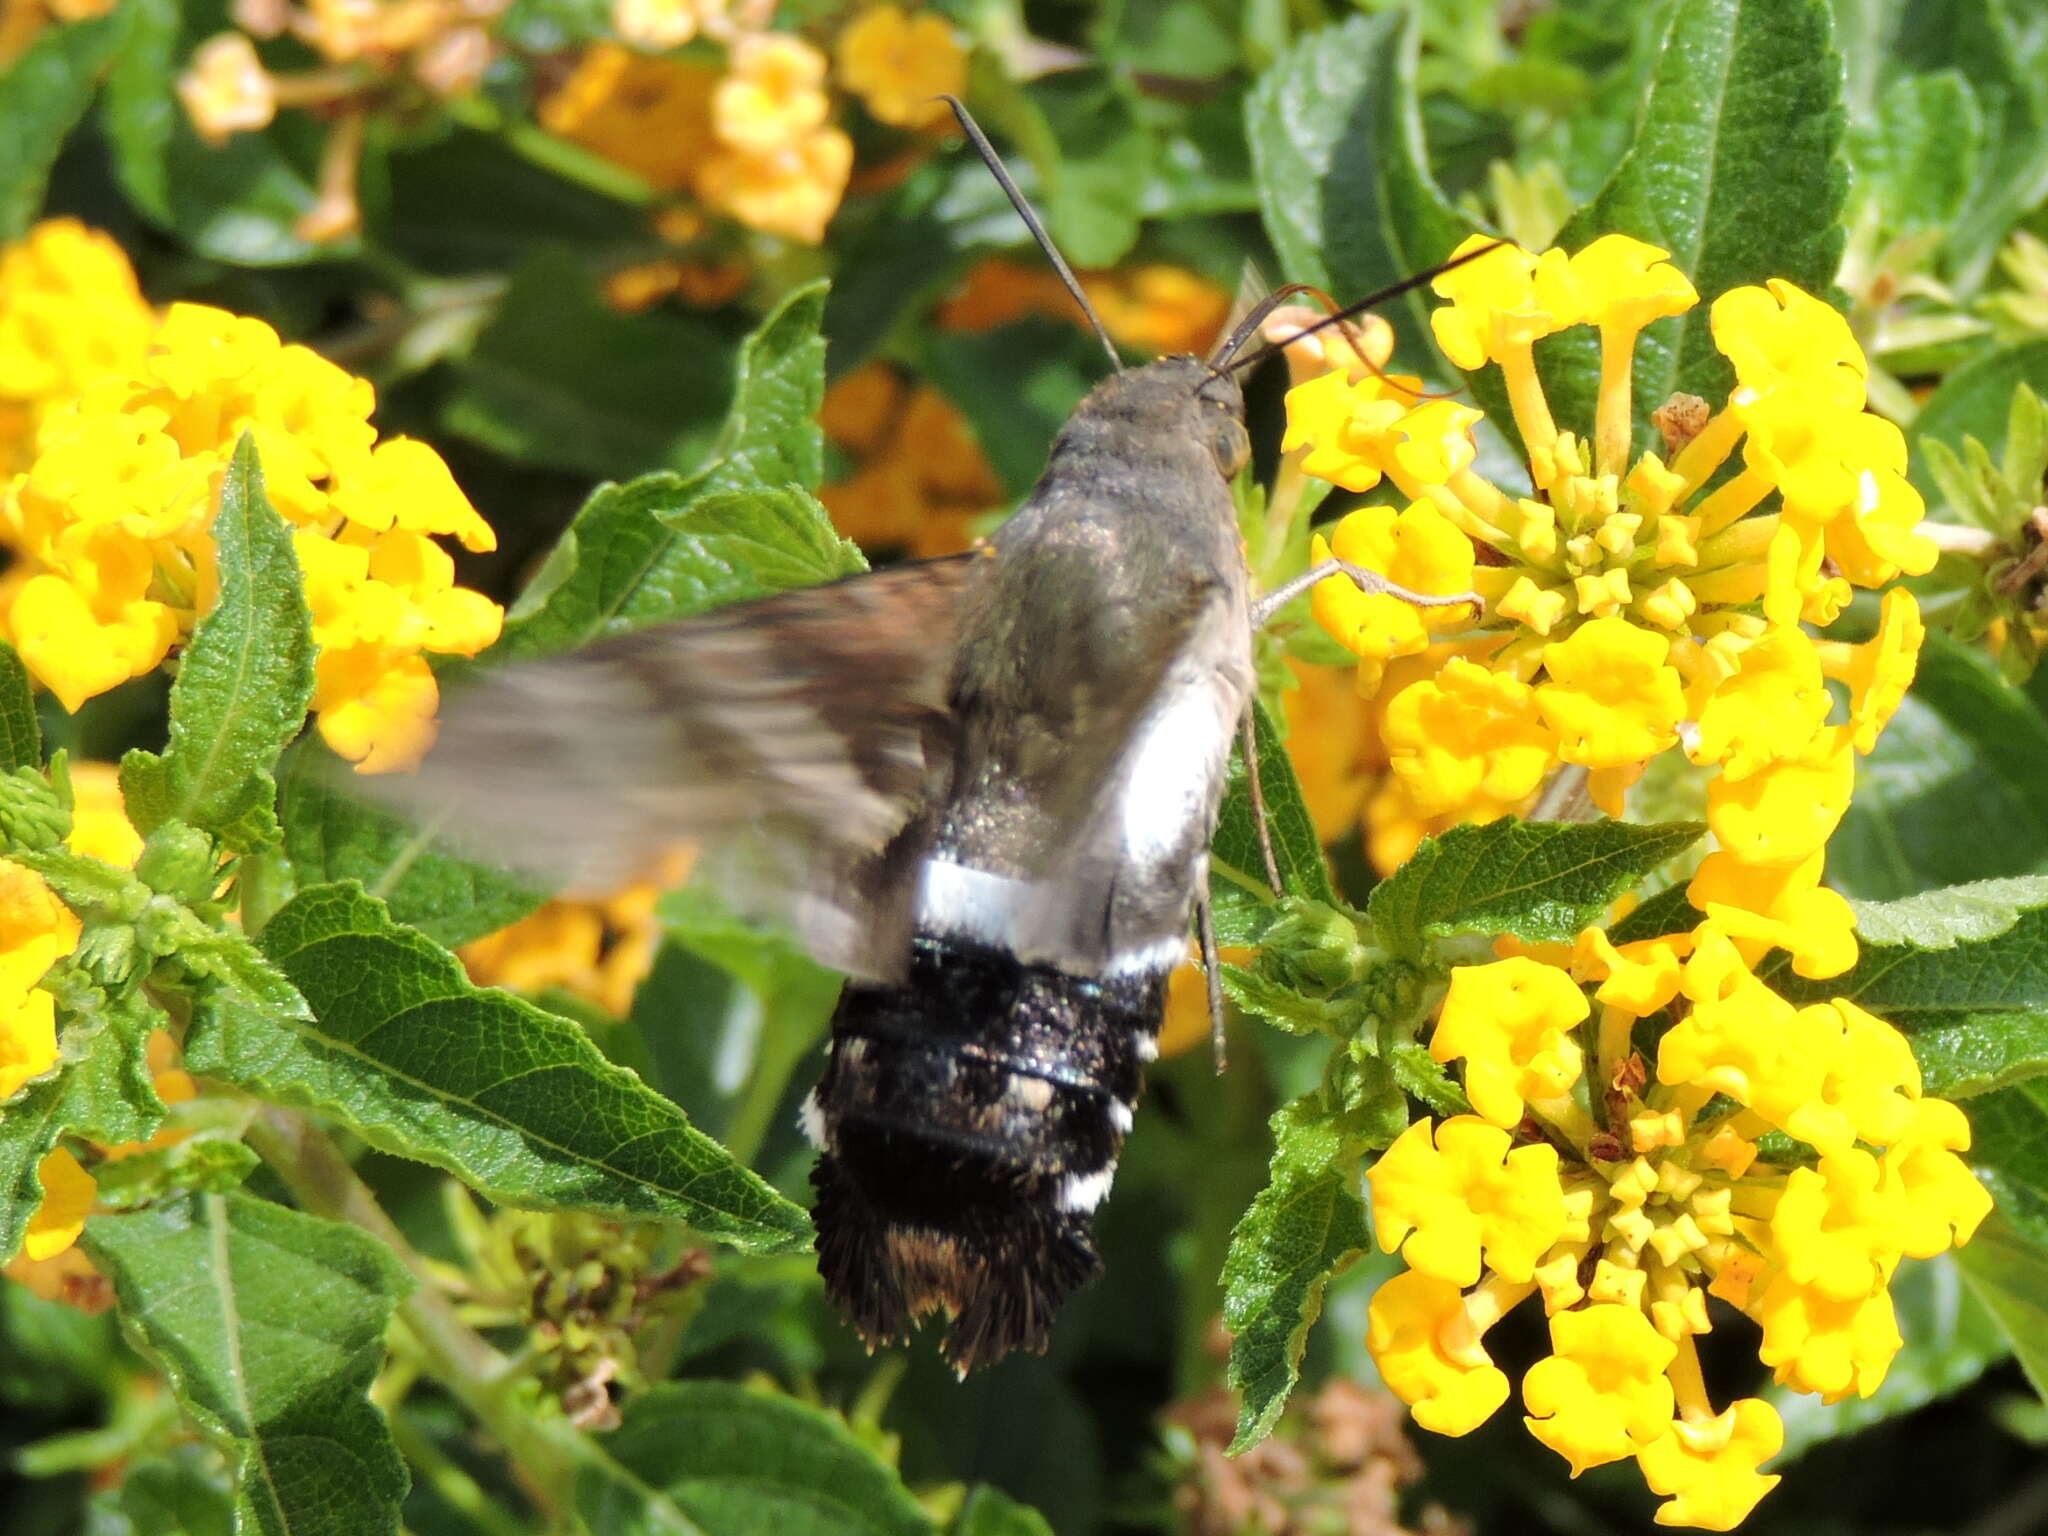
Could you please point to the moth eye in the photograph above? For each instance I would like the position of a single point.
(1231, 445)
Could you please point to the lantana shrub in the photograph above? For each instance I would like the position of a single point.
(1637, 1003)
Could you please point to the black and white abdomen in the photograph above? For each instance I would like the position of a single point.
(970, 1120)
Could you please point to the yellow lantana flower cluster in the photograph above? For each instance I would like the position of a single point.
(110, 524)
(1630, 606)
(70, 312)
(1626, 1193)
(897, 64)
(370, 51)
(919, 479)
(751, 141)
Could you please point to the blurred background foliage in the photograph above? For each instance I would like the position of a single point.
(520, 222)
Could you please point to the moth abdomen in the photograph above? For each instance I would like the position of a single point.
(971, 1119)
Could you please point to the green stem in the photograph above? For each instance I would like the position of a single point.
(457, 1489)
(569, 161)
(547, 1451)
(456, 1355)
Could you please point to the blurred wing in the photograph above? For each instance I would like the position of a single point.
(791, 739)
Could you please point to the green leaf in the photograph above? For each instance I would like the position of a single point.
(1962, 972)
(43, 94)
(2009, 1273)
(738, 1462)
(1540, 881)
(179, 1494)
(1954, 791)
(239, 202)
(560, 379)
(991, 1512)
(1304, 1226)
(1918, 162)
(207, 1165)
(666, 546)
(1974, 401)
(270, 1326)
(1951, 1340)
(243, 683)
(2009, 1146)
(1669, 911)
(1343, 179)
(1105, 158)
(331, 836)
(21, 737)
(1736, 170)
(1244, 905)
(1976, 38)
(513, 1100)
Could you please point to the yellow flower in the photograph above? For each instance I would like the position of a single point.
(36, 929)
(1417, 548)
(1357, 432)
(791, 191)
(1626, 591)
(227, 90)
(111, 526)
(1664, 1200)
(922, 476)
(1944, 1203)
(773, 96)
(1785, 813)
(1463, 1193)
(70, 313)
(1778, 905)
(896, 64)
(1430, 1355)
(1740, 1038)
(100, 828)
(652, 116)
(1779, 337)
(1601, 1393)
(600, 950)
(1161, 308)
(1879, 671)
(1611, 697)
(1469, 739)
(1768, 708)
(1817, 1343)
(1837, 1226)
(660, 24)
(1332, 744)
(1503, 302)
(1708, 1468)
(1511, 1021)
(68, 1193)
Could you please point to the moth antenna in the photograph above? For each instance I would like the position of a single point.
(1029, 215)
(1370, 301)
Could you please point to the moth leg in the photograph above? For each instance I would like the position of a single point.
(1205, 924)
(1249, 736)
(1372, 583)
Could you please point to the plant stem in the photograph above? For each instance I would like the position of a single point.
(457, 1356)
(457, 1488)
(569, 161)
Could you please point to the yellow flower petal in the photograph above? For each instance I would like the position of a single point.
(1511, 1022)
